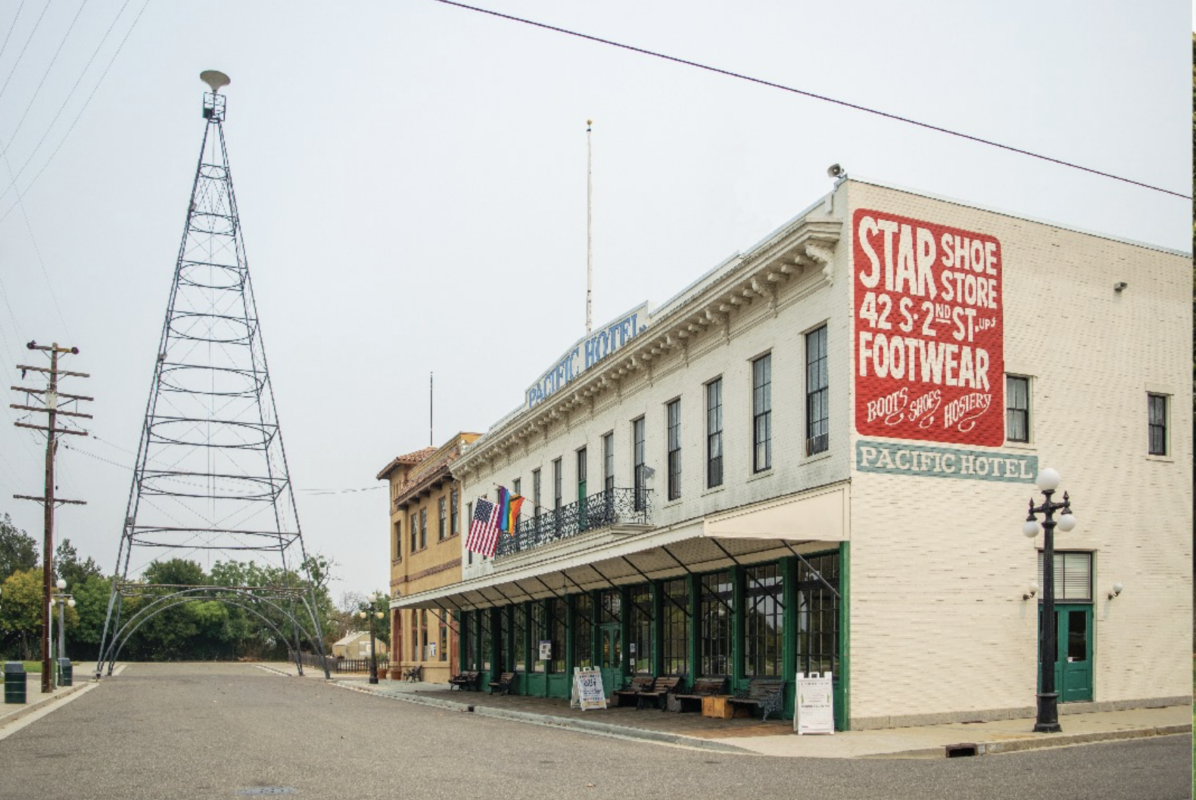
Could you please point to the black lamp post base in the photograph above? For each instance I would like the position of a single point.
(1048, 714)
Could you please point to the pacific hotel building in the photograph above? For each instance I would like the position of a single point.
(818, 456)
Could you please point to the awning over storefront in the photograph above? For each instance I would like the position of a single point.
(805, 523)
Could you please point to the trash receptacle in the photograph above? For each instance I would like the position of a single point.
(64, 672)
(14, 682)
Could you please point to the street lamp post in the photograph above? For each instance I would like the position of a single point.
(63, 600)
(369, 614)
(1048, 648)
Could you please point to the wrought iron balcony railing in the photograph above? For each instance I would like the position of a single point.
(602, 510)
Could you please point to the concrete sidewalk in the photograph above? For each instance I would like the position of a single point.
(35, 700)
(776, 738)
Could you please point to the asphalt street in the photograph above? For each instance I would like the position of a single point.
(230, 730)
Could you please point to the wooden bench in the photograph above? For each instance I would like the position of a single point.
(692, 700)
(414, 674)
(768, 695)
(659, 692)
(464, 680)
(638, 684)
(503, 684)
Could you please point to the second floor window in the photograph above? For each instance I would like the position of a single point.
(637, 460)
(455, 513)
(535, 494)
(1017, 408)
(674, 423)
(818, 409)
(608, 462)
(1156, 407)
(396, 545)
(517, 490)
(423, 527)
(414, 533)
(556, 492)
(442, 522)
(762, 413)
(714, 433)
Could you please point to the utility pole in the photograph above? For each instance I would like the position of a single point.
(49, 397)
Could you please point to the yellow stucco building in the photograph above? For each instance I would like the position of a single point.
(425, 554)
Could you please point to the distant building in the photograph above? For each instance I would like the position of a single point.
(425, 555)
(356, 645)
(817, 458)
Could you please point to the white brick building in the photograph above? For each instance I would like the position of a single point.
(844, 424)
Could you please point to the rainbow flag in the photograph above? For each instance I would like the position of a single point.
(508, 510)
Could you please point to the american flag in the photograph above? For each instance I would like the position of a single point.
(483, 528)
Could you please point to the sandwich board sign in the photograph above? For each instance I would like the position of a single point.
(814, 711)
(587, 689)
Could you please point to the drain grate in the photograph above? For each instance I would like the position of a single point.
(962, 750)
(256, 790)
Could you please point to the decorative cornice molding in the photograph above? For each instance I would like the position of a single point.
(807, 243)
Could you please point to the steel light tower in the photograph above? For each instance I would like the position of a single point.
(211, 474)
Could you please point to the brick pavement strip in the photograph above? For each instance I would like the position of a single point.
(201, 731)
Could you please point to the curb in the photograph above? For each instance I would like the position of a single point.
(568, 723)
(1023, 745)
(624, 732)
(49, 702)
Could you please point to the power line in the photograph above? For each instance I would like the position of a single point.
(11, 28)
(20, 55)
(21, 194)
(66, 100)
(814, 96)
(46, 74)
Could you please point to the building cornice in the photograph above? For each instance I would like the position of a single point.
(803, 249)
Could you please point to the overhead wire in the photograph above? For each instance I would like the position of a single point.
(42, 82)
(21, 55)
(82, 74)
(62, 141)
(11, 28)
(814, 96)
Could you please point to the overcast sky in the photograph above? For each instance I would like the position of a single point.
(411, 178)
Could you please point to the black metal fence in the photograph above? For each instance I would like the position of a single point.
(601, 510)
(345, 665)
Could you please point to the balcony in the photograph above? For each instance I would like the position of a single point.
(613, 508)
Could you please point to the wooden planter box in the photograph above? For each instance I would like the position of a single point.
(716, 706)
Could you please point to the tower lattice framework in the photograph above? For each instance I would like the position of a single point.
(211, 477)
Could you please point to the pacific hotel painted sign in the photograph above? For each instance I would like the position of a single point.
(587, 352)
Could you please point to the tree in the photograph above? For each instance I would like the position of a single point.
(18, 550)
(68, 567)
(21, 609)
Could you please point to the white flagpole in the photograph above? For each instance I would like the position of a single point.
(589, 230)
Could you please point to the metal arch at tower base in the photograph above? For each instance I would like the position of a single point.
(211, 475)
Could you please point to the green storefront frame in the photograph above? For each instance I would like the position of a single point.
(546, 683)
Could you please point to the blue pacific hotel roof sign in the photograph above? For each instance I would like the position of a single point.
(588, 351)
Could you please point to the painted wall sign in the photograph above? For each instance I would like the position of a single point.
(929, 331)
(896, 458)
(587, 352)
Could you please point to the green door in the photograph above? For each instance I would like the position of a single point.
(1073, 656)
(610, 656)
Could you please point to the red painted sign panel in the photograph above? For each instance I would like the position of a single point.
(929, 356)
